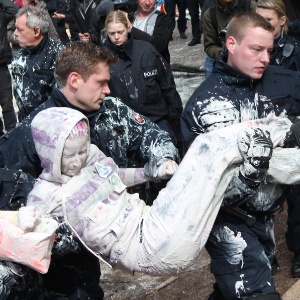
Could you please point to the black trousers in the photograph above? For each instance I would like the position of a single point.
(6, 101)
(241, 256)
(194, 7)
(293, 221)
(170, 6)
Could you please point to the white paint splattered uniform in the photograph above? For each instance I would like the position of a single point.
(33, 75)
(228, 97)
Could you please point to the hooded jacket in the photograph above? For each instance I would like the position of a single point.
(33, 75)
(94, 201)
(120, 226)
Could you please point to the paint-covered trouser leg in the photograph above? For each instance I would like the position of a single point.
(239, 262)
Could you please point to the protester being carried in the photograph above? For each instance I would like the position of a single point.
(85, 187)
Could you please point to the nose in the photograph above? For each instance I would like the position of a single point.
(265, 57)
(76, 161)
(15, 32)
(106, 90)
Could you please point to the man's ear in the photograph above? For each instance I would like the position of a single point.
(230, 44)
(37, 31)
(74, 80)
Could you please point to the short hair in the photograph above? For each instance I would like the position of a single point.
(36, 17)
(116, 16)
(80, 129)
(240, 22)
(80, 57)
(277, 5)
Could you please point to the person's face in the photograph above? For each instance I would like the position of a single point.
(117, 33)
(271, 16)
(74, 155)
(26, 37)
(252, 54)
(90, 93)
(146, 6)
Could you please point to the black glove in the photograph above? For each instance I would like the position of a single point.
(256, 147)
(292, 138)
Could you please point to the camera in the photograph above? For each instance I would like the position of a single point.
(222, 35)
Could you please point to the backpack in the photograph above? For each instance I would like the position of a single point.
(243, 5)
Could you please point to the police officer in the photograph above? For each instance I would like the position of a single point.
(116, 129)
(286, 53)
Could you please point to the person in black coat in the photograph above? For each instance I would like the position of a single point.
(8, 11)
(141, 78)
(286, 54)
(145, 23)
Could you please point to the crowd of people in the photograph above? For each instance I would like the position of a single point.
(104, 146)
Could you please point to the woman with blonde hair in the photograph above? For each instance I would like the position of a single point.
(141, 78)
(286, 52)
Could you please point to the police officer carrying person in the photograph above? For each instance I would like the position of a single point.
(286, 53)
(115, 128)
(237, 92)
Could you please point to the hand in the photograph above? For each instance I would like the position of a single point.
(171, 167)
(162, 168)
(57, 15)
(84, 37)
(27, 216)
(292, 138)
(256, 148)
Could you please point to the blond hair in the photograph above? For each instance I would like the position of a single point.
(277, 5)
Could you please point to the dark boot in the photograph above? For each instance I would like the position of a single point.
(296, 265)
(216, 294)
(265, 296)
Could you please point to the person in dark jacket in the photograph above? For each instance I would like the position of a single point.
(147, 24)
(286, 53)
(238, 92)
(8, 11)
(82, 73)
(141, 78)
(33, 66)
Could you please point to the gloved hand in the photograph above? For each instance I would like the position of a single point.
(292, 138)
(256, 148)
(27, 216)
(163, 168)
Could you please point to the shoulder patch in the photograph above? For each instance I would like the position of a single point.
(137, 118)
